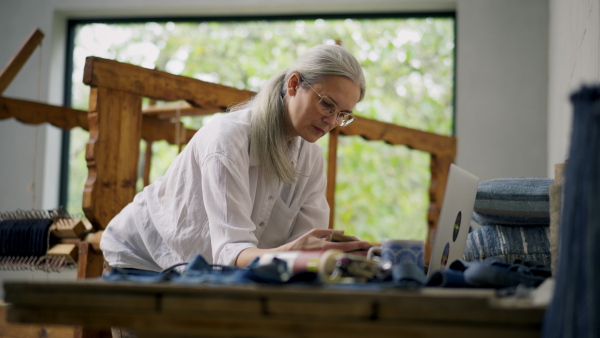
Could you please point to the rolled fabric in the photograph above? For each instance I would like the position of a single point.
(575, 306)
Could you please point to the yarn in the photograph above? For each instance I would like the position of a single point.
(25, 240)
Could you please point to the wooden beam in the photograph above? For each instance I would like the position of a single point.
(179, 310)
(393, 134)
(331, 173)
(159, 85)
(112, 153)
(168, 111)
(155, 129)
(31, 112)
(147, 163)
(18, 61)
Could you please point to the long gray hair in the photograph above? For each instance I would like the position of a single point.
(268, 137)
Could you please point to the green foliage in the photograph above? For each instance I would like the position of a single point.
(382, 190)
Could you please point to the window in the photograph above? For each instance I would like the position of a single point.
(382, 190)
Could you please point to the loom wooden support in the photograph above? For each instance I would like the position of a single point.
(112, 166)
(331, 172)
(92, 265)
(30, 112)
(16, 63)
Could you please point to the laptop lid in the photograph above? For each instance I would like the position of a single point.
(455, 218)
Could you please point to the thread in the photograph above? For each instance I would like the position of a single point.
(25, 240)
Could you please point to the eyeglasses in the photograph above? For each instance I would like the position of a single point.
(327, 107)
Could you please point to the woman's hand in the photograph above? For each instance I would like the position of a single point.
(312, 240)
(316, 240)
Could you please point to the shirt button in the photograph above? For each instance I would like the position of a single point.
(270, 198)
(261, 224)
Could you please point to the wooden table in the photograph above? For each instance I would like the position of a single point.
(171, 310)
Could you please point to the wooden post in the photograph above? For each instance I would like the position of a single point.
(90, 263)
(112, 152)
(331, 171)
(147, 162)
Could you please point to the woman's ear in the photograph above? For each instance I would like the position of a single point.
(293, 84)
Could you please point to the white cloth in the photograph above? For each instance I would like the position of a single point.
(215, 200)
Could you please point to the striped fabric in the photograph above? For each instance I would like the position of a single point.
(508, 243)
(513, 201)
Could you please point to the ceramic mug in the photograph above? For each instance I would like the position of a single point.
(397, 251)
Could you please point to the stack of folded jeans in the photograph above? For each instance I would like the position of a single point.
(511, 221)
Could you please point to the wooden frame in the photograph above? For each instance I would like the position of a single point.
(117, 123)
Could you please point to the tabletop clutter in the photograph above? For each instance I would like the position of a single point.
(369, 270)
(399, 263)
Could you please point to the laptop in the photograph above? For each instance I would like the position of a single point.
(455, 218)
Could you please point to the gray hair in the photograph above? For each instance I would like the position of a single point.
(268, 139)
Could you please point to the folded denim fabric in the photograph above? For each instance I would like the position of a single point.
(509, 243)
(136, 275)
(199, 271)
(490, 274)
(408, 275)
(494, 274)
(513, 201)
(447, 278)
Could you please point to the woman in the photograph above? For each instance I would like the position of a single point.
(251, 181)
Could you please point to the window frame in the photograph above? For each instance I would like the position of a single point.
(70, 45)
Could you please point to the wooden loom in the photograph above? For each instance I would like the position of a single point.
(65, 233)
(117, 124)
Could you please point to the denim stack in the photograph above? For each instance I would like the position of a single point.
(511, 221)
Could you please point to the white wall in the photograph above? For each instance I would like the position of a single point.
(501, 86)
(501, 80)
(574, 59)
(28, 155)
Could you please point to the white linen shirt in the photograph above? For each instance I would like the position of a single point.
(214, 200)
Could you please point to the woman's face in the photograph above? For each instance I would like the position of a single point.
(303, 117)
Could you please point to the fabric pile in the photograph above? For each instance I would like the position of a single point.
(511, 220)
(460, 274)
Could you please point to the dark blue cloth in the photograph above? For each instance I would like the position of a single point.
(199, 271)
(575, 307)
(135, 275)
(487, 274)
(408, 275)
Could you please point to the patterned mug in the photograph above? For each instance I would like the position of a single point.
(397, 251)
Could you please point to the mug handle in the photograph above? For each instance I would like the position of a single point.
(374, 250)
